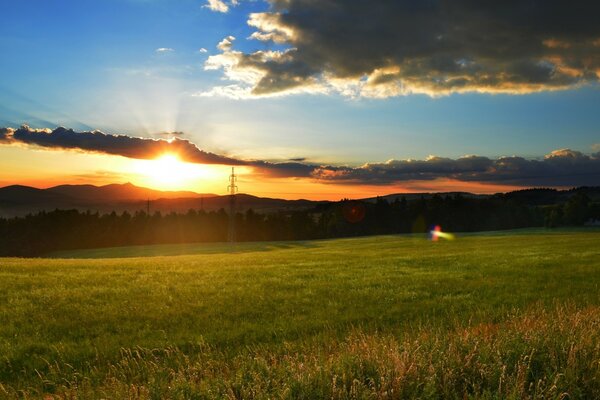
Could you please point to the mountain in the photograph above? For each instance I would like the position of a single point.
(17, 195)
(21, 200)
(115, 192)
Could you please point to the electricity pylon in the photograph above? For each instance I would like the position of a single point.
(232, 189)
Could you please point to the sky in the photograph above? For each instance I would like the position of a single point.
(320, 100)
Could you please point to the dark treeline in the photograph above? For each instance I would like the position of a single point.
(39, 234)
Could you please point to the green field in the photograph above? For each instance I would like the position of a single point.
(485, 316)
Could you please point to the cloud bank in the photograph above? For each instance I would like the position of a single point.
(140, 148)
(120, 145)
(393, 47)
(559, 168)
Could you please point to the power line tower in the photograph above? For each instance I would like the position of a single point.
(232, 189)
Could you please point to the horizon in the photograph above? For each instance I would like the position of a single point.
(207, 194)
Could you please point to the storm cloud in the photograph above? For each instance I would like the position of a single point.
(392, 47)
(559, 168)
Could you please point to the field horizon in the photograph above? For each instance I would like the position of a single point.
(493, 314)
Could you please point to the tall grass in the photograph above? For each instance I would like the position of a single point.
(540, 354)
(388, 317)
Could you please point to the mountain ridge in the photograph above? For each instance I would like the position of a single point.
(19, 200)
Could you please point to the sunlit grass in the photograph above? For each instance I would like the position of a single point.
(396, 317)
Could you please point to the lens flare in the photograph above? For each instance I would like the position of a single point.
(436, 233)
(354, 211)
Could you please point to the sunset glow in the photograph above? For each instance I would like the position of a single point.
(169, 173)
(311, 117)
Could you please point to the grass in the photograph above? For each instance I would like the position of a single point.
(485, 316)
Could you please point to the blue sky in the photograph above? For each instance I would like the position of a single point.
(94, 65)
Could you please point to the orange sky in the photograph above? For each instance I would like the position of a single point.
(46, 168)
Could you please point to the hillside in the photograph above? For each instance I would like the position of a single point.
(20, 200)
(116, 192)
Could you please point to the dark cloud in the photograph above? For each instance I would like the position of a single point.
(559, 168)
(5, 134)
(390, 47)
(141, 148)
(121, 145)
(284, 169)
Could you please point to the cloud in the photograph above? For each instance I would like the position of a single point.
(164, 50)
(6, 134)
(563, 167)
(225, 44)
(202, 50)
(220, 5)
(140, 148)
(397, 47)
(559, 168)
(121, 145)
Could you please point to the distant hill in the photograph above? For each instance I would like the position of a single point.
(18, 195)
(534, 196)
(20, 200)
(415, 196)
(539, 197)
(115, 192)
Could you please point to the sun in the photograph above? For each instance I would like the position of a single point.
(170, 173)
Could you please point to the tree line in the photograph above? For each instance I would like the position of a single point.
(45, 232)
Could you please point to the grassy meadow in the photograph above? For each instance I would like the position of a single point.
(510, 315)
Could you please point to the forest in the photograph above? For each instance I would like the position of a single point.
(42, 233)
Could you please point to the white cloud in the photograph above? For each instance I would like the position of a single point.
(164, 50)
(202, 50)
(225, 44)
(217, 5)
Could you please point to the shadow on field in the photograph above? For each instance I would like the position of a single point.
(180, 249)
(159, 250)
